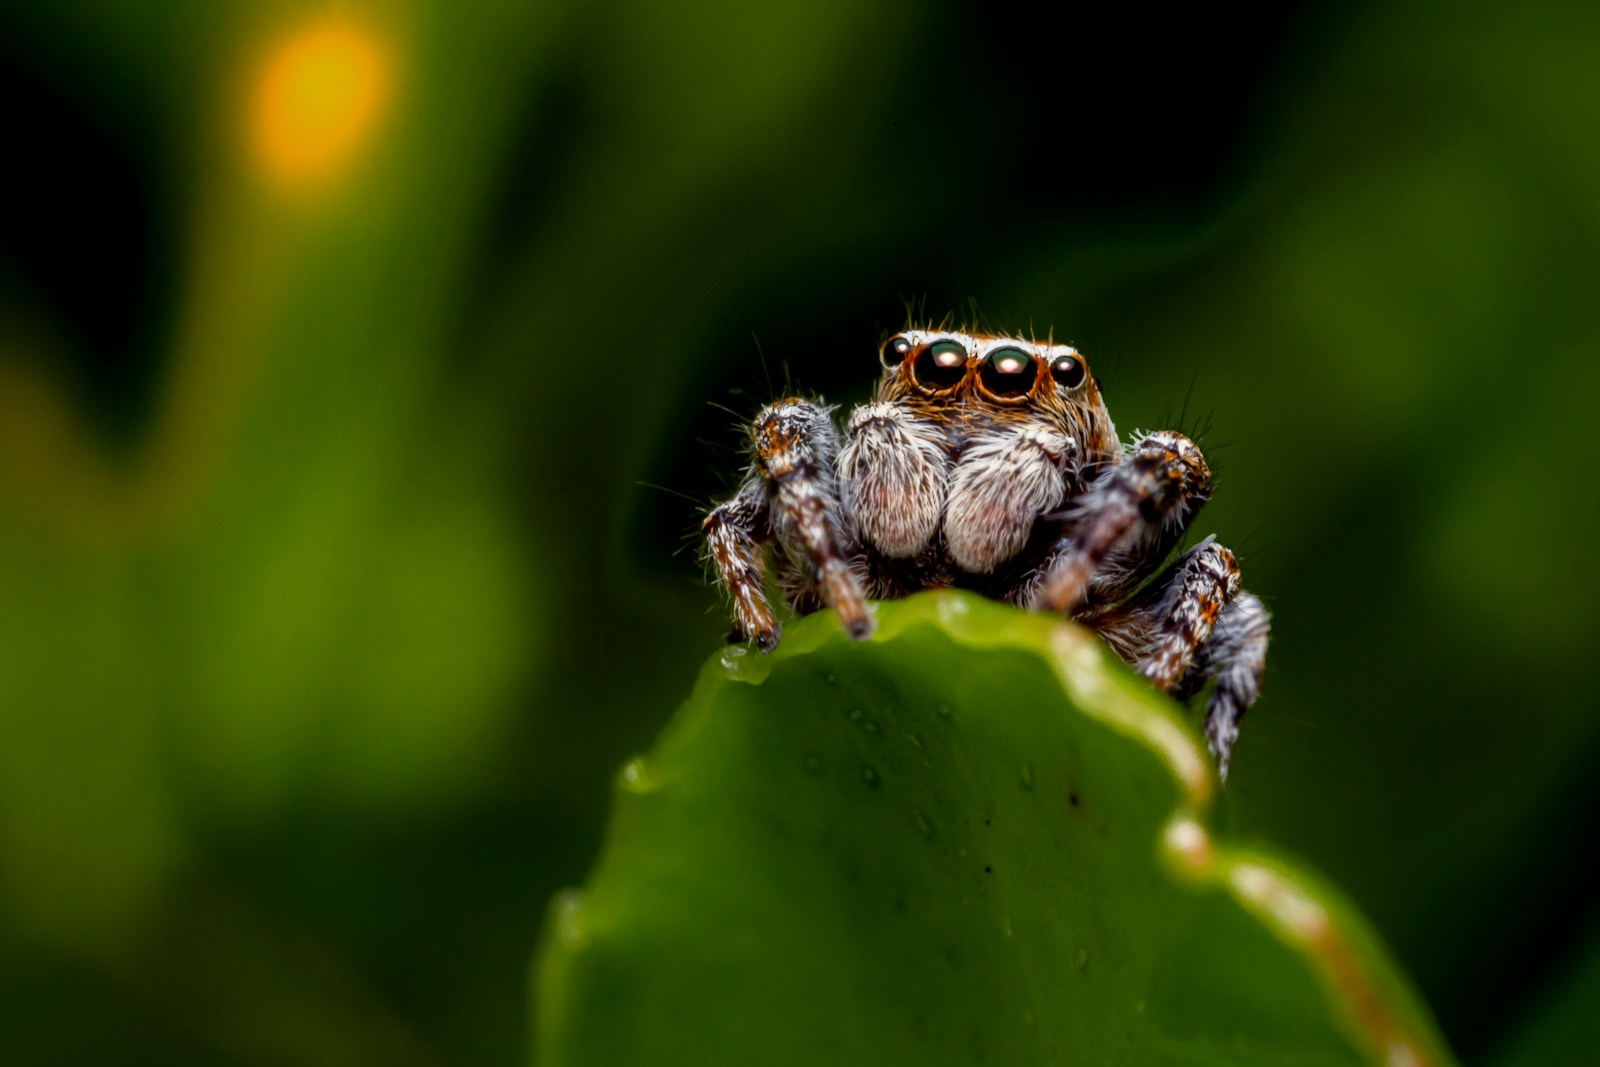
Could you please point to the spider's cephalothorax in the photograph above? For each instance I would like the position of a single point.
(990, 463)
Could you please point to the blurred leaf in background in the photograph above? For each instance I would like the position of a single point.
(336, 339)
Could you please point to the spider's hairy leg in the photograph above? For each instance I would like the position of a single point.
(1235, 656)
(1001, 485)
(1190, 626)
(1134, 511)
(1199, 586)
(893, 473)
(795, 450)
(734, 533)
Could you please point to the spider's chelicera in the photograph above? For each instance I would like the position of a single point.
(990, 463)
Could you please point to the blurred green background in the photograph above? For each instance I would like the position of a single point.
(338, 342)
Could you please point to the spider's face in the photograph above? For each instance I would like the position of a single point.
(986, 378)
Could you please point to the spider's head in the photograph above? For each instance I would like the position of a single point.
(999, 378)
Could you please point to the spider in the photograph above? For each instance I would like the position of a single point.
(990, 463)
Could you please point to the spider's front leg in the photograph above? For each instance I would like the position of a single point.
(1200, 585)
(1235, 656)
(735, 532)
(1125, 523)
(1192, 625)
(789, 493)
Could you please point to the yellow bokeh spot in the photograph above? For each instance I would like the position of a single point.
(317, 96)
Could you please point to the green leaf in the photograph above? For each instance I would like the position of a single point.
(975, 838)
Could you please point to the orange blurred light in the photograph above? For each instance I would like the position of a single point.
(316, 98)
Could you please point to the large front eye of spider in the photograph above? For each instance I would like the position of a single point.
(941, 365)
(1008, 372)
(895, 351)
(1068, 371)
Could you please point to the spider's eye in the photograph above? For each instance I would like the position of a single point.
(941, 365)
(1009, 372)
(1067, 371)
(896, 351)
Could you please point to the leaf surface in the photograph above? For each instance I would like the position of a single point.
(976, 838)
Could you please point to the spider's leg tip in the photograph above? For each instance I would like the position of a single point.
(860, 628)
(1223, 754)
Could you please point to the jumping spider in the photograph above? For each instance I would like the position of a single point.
(990, 463)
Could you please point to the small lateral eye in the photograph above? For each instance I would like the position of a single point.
(896, 351)
(942, 365)
(1009, 372)
(1067, 371)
